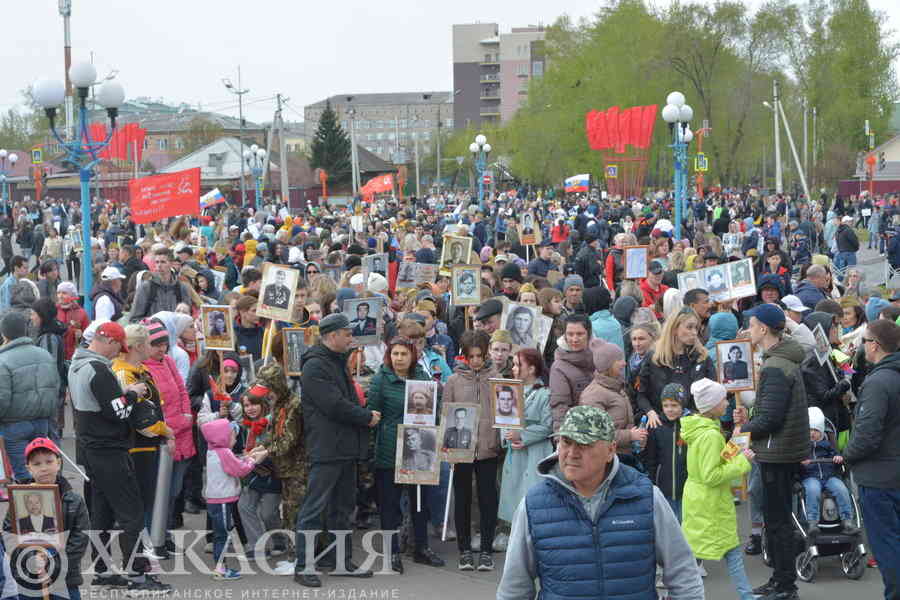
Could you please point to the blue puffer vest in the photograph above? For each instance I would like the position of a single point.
(614, 557)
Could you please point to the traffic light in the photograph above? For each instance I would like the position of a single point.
(881, 162)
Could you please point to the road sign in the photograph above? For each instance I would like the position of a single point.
(37, 156)
(612, 171)
(486, 179)
(701, 163)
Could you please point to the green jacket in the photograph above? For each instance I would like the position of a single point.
(708, 519)
(387, 394)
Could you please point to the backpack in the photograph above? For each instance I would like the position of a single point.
(154, 290)
(853, 241)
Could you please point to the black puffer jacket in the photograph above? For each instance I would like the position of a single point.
(76, 522)
(779, 425)
(588, 265)
(653, 378)
(666, 455)
(336, 426)
(874, 448)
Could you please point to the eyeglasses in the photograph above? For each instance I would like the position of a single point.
(868, 340)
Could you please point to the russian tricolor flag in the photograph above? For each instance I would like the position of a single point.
(211, 198)
(578, 183)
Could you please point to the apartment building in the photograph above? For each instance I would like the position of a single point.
(492, 70)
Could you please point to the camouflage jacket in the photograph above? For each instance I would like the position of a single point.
(286, 446)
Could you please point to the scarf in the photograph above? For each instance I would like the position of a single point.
(257, 427)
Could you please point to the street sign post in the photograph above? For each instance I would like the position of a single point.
(612, 171)
(701, 163)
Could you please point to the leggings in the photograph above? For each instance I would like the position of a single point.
(485, 472)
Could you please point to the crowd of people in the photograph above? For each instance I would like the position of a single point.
(627, 471)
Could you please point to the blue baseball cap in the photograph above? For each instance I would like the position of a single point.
(769, 315)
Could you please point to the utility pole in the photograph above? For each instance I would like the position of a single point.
(439, 150)
(805, 139)
(779, 187)
(813, 145)
(354, 174)
(239, 92)
(282, 152)
(763, 186)
(65, 11)
(416, 138)
(800, 170)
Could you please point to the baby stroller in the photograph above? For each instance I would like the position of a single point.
(830, 540)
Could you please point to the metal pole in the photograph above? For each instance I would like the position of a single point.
(159, 521)
(240, 95)
(805, 139)
(353, 166)
(813, 144)
(677, 148)
(439, 150)
(480, 165)
(763, 186)
(257, 176)
(418, 190)
(779, 187)
(282, 151)
(800, 170)
(65, 9)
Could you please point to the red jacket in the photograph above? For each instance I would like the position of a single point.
(176, 404)
(67, 316)
(559, 233)
(651, 295)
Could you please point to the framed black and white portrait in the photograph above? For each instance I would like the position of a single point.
(420, 402)
(529, 229)
(507, 403)
(406, 275)
(218, 326)
(278, 289)
(734, 359)
(636, 261)
(459, 431)
(456, 251)
(466, 285)
(741, 279)
(295, 344)
(521, 321)
(365, 319)
(375, 263)
(417, 461)
(36, 514)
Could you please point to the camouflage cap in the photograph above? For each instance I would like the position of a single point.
(586, 425)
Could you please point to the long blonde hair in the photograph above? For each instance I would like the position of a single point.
(664, 352)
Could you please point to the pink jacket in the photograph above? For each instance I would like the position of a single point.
(223, 469)
(176, 404)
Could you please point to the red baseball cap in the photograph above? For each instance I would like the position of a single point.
(113, 331)
(41, 442)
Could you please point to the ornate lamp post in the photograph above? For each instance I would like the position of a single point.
(678, 114)
(82, 151)
(13, 159)
(255, 158)
(480, 150)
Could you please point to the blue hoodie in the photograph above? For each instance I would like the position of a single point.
(722, 326)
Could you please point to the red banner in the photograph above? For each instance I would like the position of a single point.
(127, 142)
(161, 196)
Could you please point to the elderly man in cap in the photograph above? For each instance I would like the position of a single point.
(336, 438)
(487, 318)
(29, 389)
(107, 295)
(594, 527)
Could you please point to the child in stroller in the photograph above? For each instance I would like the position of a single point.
(817, 475)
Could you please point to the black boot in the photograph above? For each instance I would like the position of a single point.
(754, 545)
(311, 580)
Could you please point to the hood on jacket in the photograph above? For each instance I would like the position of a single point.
(771, 280)
(891, 361)
(693, 427)
(208, 275)
(175, 324)
(581, 360)
(320, 350)
(596, 298)
(22, 341)
(468, 372)
(788, 349)
(623, 308)
(722, 326)
(217, 433)
(819, 318)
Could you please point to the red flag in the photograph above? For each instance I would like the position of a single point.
(170, 195)
(648, 120)
(602, 131)
(624, 129)
(612, 123)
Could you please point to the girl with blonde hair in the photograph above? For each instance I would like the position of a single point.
(677, 357)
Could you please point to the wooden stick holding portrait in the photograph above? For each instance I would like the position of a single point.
(735, 364)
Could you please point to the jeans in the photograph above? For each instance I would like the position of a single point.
(676, 507)
(18, 435)
(485, 472)
(777, 481)
(735, 560)
(881, 514)
(222, 523)
(389, 496)
(146, 466)
(331, 489)
(813, 496)
(179, 468)
(259, 513)
(756, 498)
(435, 497)
(842, 260)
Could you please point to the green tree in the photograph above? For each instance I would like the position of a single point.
(200, 132)
(18, 130)
(331, 148)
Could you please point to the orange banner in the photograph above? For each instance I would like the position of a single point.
(378, 185)
(161, 196)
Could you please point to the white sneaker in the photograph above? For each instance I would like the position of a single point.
(501, 542)
(285, 567)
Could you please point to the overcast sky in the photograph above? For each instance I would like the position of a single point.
(179, 50)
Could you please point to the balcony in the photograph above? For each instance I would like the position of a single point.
(490, 96)
(490, 78)
(493, 111)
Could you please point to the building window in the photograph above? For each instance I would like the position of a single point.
(522, 70)
(427, 123)
(392, 123)
(487, 58)
(404, 123)
(537, 68)
(391, 137)
(404, 136)
(179, 144)
(427, 135)
(146, 144)
(379, 124)
(449, 123)
(370, 137)
(345, 125)
(162, 144)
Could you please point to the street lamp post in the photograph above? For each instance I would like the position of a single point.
(480, 150)
(13, 159)
(255, 158)
(678, 114)
(239, 92)
(82, 151)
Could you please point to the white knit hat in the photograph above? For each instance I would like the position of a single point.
(707, 394)
(816, 419)
(357, 279)
(377, 283)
